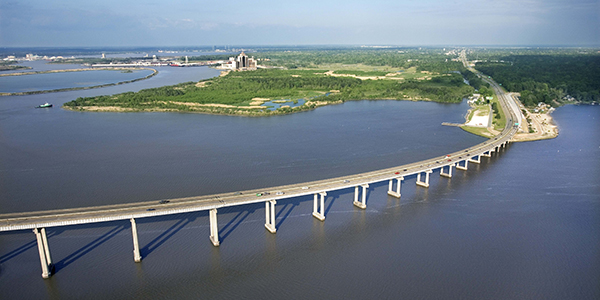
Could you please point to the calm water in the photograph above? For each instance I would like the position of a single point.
(53, 81)
(522, 225)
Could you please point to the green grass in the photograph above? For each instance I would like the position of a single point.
(480, 131)
(499, 124)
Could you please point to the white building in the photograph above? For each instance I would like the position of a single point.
(242, 62)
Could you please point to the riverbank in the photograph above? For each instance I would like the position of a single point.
(154, 72)
(537, 126)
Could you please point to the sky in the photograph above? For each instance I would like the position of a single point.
(132, 23)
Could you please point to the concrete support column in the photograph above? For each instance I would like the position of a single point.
(44, 252)
(270, 216)
(449, 174)
(459, 167)
(426, 183)
(46, 247)
(396, 193)
(477, 161)
(136, 245)
(319, 210)
(363, 203)
(487, 153)
(214, 227)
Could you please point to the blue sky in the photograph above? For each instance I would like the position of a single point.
(26, 23)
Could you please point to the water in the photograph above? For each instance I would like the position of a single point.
(523, 224)
(291, 103)
(53, 81)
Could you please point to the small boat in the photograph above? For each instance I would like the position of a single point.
(45, 105)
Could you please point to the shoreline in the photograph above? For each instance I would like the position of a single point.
(546, 129)
(221, 109)
(215, 109)
(154, 73)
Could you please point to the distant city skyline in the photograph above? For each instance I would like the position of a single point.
(129, 23)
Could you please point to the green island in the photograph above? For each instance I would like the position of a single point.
(333, 76)
(11, 65)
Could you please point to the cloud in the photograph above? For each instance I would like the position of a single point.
(126, 22)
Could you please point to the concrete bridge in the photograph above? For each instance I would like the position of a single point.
(39, 221)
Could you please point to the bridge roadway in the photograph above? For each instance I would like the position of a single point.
(40, 220)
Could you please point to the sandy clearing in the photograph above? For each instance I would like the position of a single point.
(479, 121)
(193, 104)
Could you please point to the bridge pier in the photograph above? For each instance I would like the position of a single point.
(136, 245)
(319, 210)
(44, 251)
(397, 192)
(449, 174)
(487, 153)
(477, 161)
(214, 227)
(270, 216)
(363, 203)
(464, 168)
(426, 182)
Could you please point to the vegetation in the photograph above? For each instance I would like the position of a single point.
(480, 131)
(10, 65)
(548, 76)
(237, 93)
(424, 59)
(474, 80)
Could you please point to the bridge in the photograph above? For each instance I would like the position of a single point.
(39, 221)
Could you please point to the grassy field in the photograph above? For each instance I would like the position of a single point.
(356, 67)
(480, 131)
(501, 122)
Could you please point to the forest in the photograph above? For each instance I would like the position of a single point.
(548, 75)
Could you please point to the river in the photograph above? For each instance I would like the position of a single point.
(522, 224)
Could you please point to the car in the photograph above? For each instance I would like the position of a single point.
(163, 201)
(460, 157)
(305, 188)
(397, 173)
(150, 209)
(429, 165)
(259, 194)
(447, 155)
(279, 193)
(346, 181)
(449, 160)
(405, 170)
